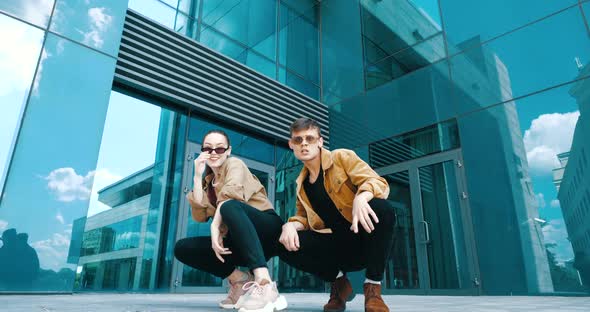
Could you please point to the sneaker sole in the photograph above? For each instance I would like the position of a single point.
(228, 306)
(278, 305)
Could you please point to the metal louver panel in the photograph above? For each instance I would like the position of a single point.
(162, 63)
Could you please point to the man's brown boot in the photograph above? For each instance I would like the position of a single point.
(373, 300)
(340, 293)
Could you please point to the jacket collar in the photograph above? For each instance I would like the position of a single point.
(327, 162)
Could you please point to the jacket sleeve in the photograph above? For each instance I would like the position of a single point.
(300, 215)
(363, 176)
(200, 212)
(237, 183)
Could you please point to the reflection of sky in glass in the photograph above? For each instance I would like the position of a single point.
(128, 144)
(33, 11)
(53, 163)
(547, 129)
(17, 65)
(465, 19)
(154, 10)
(95, 23)
(429, 9)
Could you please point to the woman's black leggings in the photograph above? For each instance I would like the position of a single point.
(252, 238)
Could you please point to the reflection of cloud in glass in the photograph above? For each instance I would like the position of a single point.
(555, 233)
(34, 11)
(555, 203)
(3, 225)
(44, 56)
(549, 135)
(54, 250)
(541, 200)
(99, 23)
(17, 59)
(68, 185)
(60, 218)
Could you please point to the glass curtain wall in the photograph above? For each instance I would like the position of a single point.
(520, 119)
(277, 38)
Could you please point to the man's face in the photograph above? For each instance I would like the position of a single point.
(306, 144)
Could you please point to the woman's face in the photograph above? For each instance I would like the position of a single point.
(214, 141)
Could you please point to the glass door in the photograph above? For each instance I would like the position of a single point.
(185, 278)
(434, 249)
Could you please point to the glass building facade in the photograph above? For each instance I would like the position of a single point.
(474, 111)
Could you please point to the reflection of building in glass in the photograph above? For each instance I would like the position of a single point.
(501, 193)
(558, 172)
(391, 31)
(113, 240)
(574, 187)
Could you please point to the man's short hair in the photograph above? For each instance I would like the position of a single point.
(305, 123)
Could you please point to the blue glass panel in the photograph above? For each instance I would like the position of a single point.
(537, 192)
(329, 98)
(18, 61)
(155, 10)
(416, 100)
(586, 13)
(298, 83)
(252, 23)
(221, 43)
(95, 23)
(521, 62)
(299, 41)
(259, 63)
(172, 3)
(55, 157)
(190, 7)
(404, 62)
(186, 26)
(36, 12)
(465, 19)
(342, 49)
(394, 25)
(242, 145)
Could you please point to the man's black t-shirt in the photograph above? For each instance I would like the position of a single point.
(323, 205)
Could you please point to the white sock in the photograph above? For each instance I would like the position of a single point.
(340, 274)
(372, 281)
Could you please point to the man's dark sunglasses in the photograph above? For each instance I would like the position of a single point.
(218, 150)
(298, 140)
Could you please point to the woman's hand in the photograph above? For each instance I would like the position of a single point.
(199, 163)
(217, 239)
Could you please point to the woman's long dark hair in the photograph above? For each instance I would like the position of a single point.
(208, 170)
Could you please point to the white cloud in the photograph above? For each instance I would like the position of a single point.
(68, 185)
(549, 135)
(99, 23)
(3, 225)
(60, 218)
(53, 252)
(36, 11)
(540, 200)
(19, 58)
(555, 233)
(44, 56)
(555, 203)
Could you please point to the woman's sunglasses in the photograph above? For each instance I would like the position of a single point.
(218, 150)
